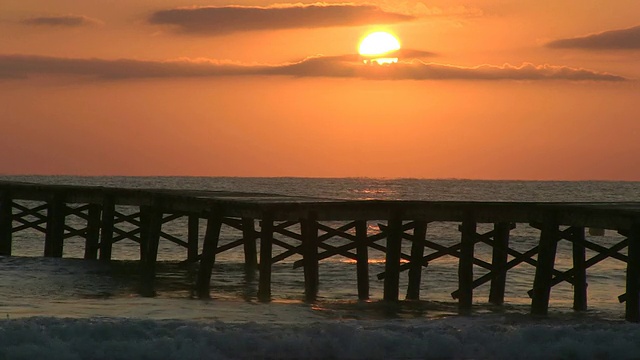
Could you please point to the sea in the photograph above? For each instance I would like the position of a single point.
(70, 308)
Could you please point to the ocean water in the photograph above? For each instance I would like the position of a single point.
(75, 309)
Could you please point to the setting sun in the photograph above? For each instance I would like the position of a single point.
(375, 45)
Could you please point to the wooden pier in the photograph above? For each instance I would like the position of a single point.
(306, 223)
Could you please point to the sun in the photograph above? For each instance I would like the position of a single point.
(376, 45)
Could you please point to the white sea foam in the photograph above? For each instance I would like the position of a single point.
(457, 338)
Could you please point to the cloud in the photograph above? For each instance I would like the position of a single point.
(61, 20)
(344, 66)
(218, 20)
(624, 39)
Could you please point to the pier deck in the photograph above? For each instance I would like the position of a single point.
(304, 221)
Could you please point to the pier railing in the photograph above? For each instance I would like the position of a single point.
(305, 222)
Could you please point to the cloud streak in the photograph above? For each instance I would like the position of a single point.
(218, 20)
(61, 21)
(345, 66)
(624, 39)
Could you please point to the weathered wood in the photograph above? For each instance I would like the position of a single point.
(92, 237)
(193, 235)
(151, 240)
(6, 223)
(392, 261)
(106, 230)
(266, 246)
(465, 264)
(309, 232)
(499, 262)
(362, 262)
(208, 258)
(417, 253)
(250, 249)
(54, 238)
(579, 270)
(145, 222)
(632, 305)
(549, 237)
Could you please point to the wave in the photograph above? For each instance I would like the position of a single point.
(451, 338)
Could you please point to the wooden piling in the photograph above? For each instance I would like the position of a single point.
(92, 237)
(145, 222)
(499, 262)
(465, 264)
(544, 270)
(153, 224)
(392, 261)
(208, 258)
(106, 230)
(193, 234)
(54, 236)
(250, 251)
(579, 269)
(6, 223)
(632, 305)
(362, 262)
(266, 244)
(417, 252)
(309, 232)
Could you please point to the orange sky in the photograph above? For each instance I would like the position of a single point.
(492, 89)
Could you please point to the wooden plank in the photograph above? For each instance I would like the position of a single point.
(54, 237)
(580, 270)
(417, 252)
(193, 237)
(549, 237)
(362, 262)
(250, 248)
(106, 230)
(392, 260)
(6, 223)
(92, 236)
(208, 258)
(266, 245)
(309, 232)
(499, 262)
(632, 306)
(465, 264)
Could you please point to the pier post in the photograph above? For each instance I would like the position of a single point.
(106, 230)
(208, 258)
(392, 261)
(266, 244)
(145, 222)
(6, 223)
(309, 232)
(192, 237)
(362, 263)
(549, 237)
(465, 264)
(250, 252)
(54, 236)
(499, 262)
(417, 252)
(92, 237)
(632, 305)
(151, 241)
(579, 269)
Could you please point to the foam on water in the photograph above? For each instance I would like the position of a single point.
(458, 338)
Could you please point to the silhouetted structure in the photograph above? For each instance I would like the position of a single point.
(304, 221)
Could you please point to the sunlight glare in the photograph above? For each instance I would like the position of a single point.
(377, 44)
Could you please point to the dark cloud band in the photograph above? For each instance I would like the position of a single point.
(62, 21)
(625, 39)
(346, 66)
(227, 19)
